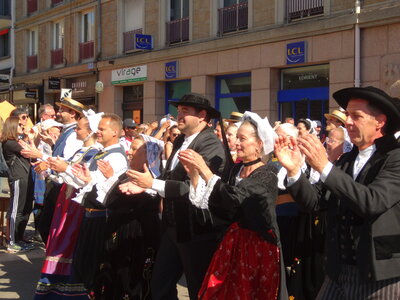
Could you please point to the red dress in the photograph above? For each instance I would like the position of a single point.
(245, 266)
(247, 263)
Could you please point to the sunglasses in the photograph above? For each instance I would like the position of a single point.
(175, 134)
(24, 117)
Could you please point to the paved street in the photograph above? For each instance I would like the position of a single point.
(19, 274)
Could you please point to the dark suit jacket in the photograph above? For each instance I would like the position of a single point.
(373, 198)
(190, 220)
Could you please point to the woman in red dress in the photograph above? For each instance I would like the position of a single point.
(247, 263)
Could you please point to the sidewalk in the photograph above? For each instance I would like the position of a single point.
(20, 273)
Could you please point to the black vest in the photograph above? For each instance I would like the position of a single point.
(89, 200)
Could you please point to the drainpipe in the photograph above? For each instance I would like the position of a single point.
(357, 50)
(12, 51)
(98, 54)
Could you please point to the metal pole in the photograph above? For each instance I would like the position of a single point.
(357, 50)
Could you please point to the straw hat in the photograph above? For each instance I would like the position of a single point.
(72, 104)
(338, 115)
(235, 117)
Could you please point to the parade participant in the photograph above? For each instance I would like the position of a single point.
(129, 128)
(69, 112)
(247, 264)
(57, 280)
(334, 144)
(335, 119)
(21, 185)
(360, 192)
(235, 117)
(173, 133)
(48, 135)
(133, 231)
(289, 120)
(305, 127)
(97, 179)
(190, 234)
(231, 132)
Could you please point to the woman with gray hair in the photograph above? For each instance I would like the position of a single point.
(247, 263)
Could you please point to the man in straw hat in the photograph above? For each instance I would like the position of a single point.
(190, 233)
(69, 112)
(335, 119)
(361, 195)
(234, 117)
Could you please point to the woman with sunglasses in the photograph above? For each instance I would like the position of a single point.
(173, 133)
(21, 184)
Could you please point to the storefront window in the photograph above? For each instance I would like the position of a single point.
(174, 91)
(132, 106)
(233, 93)
(304, 93)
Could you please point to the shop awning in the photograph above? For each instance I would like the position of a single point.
(4, 31)
(318, 93)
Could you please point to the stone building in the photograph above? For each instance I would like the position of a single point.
(278, 58)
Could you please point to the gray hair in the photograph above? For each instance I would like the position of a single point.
(288, 129)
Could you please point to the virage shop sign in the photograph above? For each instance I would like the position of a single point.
(132, 74)
(296, 53)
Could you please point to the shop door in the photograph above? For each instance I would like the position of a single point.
(132, 106)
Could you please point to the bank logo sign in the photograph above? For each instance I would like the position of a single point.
(171, 70)
(132, 74)
(296, 53)
(143, 41)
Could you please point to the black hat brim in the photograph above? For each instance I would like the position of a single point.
(212, 112)
(375, 97)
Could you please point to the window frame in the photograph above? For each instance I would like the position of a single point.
(90, 36)
(56, 35)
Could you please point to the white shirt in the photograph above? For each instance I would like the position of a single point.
(158, 184)
(361, 159)
(72, 144)
(119, 165)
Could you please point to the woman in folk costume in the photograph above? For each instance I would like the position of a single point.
(133, 230)
(248, 261)
(57, 281)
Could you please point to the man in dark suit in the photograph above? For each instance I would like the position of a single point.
(361, 195)
(190, 234)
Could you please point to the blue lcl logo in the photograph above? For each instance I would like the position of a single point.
(171, 70)
(143, 41)
(296, 53)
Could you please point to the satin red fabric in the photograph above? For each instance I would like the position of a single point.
(63, 234)
(245, 266)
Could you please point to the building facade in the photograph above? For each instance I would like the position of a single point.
(6, 48)
(277, 58)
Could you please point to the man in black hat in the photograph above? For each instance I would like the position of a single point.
(361, 194)
(190, 234)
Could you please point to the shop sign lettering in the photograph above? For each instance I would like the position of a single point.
(132, 74)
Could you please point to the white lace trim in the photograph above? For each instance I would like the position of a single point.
(200, 196)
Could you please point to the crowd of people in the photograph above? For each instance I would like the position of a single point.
(244, 209)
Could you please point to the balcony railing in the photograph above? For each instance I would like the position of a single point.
(32, 6)
(57, 56)
(233, 18)
(178, 31)
(32, 62)
(55, 2)
(298, 9)
(129, 39)
(86, 50)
